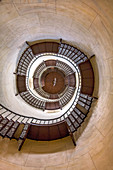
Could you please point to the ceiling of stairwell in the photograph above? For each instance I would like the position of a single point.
(87, 24)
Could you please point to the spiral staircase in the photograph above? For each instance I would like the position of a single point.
(20, 127)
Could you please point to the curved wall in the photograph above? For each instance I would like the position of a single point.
(87, 24)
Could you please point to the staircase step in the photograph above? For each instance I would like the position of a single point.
(13, 129)
(23, 135)
(20, 119)
(24, 131)
(3, 123)
(82, 109)
(24, 120)
(2, 111)
(18, 131)
(6, 128)
(15, 118)
(10, 116)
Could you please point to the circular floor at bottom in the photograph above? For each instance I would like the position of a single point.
(54, 82)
